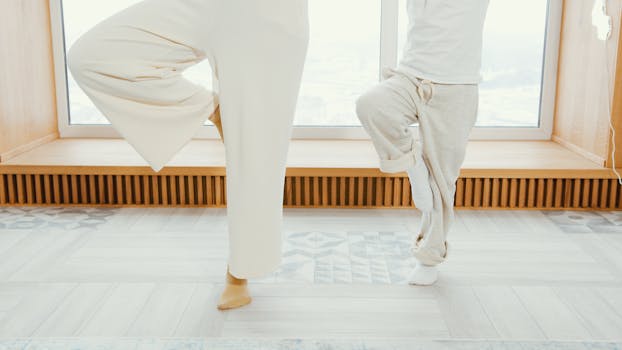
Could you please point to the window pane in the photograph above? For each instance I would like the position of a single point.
(79, 16)
(342, 60)
(512, 58)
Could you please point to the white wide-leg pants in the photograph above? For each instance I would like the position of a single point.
(130, 65)
(446, 114)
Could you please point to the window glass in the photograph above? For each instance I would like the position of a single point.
(512, 62)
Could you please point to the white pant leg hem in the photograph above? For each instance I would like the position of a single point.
(398, 165)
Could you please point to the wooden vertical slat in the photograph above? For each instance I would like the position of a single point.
(307, 191)
(288, 191)
(73, 188)
(379, 193)
(118, 189)
(47, 189)
(333, 191)
(388, 188)
(531, 196)
(91, 189)
(351, 191)
(594, 193)
(522, 193)
(406, 192)
(30, 195)
(548, 197)
(325, 198)
(84, 196)
(495, 193)
(3, 193)
(155, 189)
(576, 194)
(66, 189)
(567, 193)
(316, 191)
(128, 189)
(477, 192)
(298, 190)
(370, 191)
(201, 190)
(147, 194)
(138, 191)
(342, 191)
(38, 190)
(486, 194)
(604, 190)
(112, 198)
(210, 185)
(192, 192)
(165, 183)
(224, 190)
(504, 193)
(540, 198)
(360, 195)
(56, 185)
(459, 197)
(613, 193)
(20, 186)
(513, 196)
(397, 192)
(586, 193)
(217, 190)
(468, 192)
(172, 184)
(11, 189)
(559, 192)
(181, 191)
(101, 190)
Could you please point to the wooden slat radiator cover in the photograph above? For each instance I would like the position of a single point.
(177, 189)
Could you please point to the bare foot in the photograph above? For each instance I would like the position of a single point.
(235, 294)
(215, 119)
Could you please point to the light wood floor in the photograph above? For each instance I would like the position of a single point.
(158, 272)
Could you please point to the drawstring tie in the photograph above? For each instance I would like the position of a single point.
(425, 87)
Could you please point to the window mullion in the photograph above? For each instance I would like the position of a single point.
(388, 34)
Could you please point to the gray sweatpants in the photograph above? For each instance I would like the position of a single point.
(446, 114)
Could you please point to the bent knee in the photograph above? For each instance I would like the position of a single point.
(366, 108)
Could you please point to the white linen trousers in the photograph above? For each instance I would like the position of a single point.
(130, 65)
(446, 113)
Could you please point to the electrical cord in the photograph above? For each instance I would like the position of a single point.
(609, 101)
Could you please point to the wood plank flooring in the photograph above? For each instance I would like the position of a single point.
(125, 272)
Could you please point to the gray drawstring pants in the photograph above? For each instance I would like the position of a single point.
(445, 114)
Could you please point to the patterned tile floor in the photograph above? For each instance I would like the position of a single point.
(340, 256)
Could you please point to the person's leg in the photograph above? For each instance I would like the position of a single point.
(445, 124)
(260, 55)
(130, 65)
(386, 111)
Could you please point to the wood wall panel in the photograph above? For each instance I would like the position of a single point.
(27, 88)
(587, 69)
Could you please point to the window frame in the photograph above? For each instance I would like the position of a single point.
(388, 57)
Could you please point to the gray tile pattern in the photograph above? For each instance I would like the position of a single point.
(346, 257)
(54, 218)
(574, 221)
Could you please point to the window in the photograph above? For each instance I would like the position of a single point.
(344, 60)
